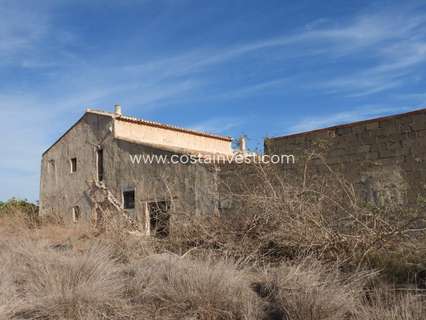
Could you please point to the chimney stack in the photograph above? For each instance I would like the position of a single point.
(117, 110)
(242, 144)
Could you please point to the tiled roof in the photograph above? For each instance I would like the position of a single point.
(160, 125)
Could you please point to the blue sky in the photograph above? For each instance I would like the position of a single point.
(260, 68)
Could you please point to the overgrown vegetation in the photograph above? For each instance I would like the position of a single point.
(16, 205)
(320, 216)
(23, 210)
(307, 251)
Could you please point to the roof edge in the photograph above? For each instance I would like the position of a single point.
(140, 121)
(160, 125)
(63, 135)
(74, 125)
(171, 127)
(170, 148)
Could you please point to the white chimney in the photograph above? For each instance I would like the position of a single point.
(117, 110)
(243, 144)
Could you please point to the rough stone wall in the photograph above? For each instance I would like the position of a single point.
(384, 158)
(61, 190)
(190, 188)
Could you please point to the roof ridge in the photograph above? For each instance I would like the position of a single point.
(159, 124)
(99, 111)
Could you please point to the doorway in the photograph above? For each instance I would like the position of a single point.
(159, 219)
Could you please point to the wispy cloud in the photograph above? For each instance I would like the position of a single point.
(368, 53)
(397, 62)
(395, 43)
(392, 43)
(418, 99)
(20, 30)
(262, 87)
(23, 135)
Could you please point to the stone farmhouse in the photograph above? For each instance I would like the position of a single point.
(91, 164)
(91, 167)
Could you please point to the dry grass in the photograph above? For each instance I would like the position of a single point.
(388, 305)
(222, 267)
(170, 287)
(309, 290)
(56, 283)
(42, 279)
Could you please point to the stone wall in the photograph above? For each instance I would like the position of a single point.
(61, 189)
(384, 158)
(190, 188)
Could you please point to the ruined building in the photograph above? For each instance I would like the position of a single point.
(90, 164)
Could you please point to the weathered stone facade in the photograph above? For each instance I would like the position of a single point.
(384, 158)
(66, 190)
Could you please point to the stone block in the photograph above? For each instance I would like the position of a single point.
(405, 128)
(419, 122)
(385, 153)
(333, 160)
(358, 129)
(372, 156)
(372, 125)
(343, 131)
(364, 148)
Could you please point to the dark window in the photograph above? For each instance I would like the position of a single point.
(129, 199)
(73, 165)
(100, 164)
(51, 166)
(76, 214)
(159, 218)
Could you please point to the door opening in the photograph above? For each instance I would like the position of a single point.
(159, 218)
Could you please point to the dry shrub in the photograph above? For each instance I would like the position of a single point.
(16, 222)
(310, 290)
(20, 212)
(8, 292)
(124, 237)
(50, 270)
(388, 305)
(170, 287)
(52, 218)
(45, 279)
(272, 218)
(56, 284)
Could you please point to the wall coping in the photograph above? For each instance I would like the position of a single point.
(350, 125)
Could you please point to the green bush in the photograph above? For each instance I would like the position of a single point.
(20, 207)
